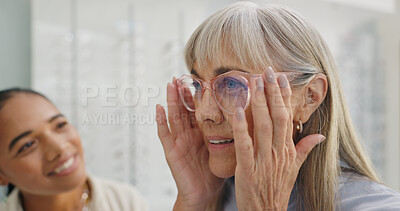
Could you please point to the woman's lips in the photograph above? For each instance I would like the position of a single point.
(223, 141)
(65, 167)
(218, 142)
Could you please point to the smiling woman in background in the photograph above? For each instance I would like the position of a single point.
(248, 126)
(42, 156)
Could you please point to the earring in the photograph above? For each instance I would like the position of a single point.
(299, 127)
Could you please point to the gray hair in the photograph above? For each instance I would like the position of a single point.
(276, 36)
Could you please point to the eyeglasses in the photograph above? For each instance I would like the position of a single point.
(230, 90)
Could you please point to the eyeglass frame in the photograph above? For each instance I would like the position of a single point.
(210, 84)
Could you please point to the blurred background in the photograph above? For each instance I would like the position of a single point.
(106, 63)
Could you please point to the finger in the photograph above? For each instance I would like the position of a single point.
(243, 143)
(191, 119)
(277, 110)
(305, 145)
(174, 113)
(162, 128)
(286, 93)
(261, 118)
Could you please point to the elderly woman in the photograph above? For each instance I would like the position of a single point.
(42, 157)
(261, 122)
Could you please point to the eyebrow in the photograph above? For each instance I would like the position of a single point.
(222, 70)
(55, 117)
(16, 139)
(194, 72)
(219, 71)
(26, 133)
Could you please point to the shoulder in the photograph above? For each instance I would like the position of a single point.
(12, 202)
(115, 195)
(3, 205)
(114, 187)
(357, 192)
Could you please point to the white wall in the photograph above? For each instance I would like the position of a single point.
(389, 29)
(15, 61)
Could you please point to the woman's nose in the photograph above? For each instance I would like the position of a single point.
(55, 145)
(209, 109)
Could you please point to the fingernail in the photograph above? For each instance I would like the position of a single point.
(260, 84)
(269, 74)
(158, 120)
(240, 114)
(283, 82)
(321, 139)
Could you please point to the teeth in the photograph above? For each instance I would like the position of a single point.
(224, 141)
(64, 166)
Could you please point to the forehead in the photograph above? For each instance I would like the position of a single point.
(24, 112)
(224, 63)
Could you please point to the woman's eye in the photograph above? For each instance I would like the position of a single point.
(197, 85)
(231, 83)
(26, 146)
(61, 125)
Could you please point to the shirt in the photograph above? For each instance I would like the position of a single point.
(105, 196)
(356, 192)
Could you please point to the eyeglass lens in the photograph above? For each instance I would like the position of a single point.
(230, 92)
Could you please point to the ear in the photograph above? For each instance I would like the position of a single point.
(3, 179)
(313, 95)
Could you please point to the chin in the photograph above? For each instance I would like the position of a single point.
(81, 177)
(75, 180)
(222, 168)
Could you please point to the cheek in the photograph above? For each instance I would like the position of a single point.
(201, 125)
(26, 170)
(74, 138)
(78, 145)
(229, 119)
(75, 141)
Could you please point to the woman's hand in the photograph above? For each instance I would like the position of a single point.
(267, 166)
(186, 154)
